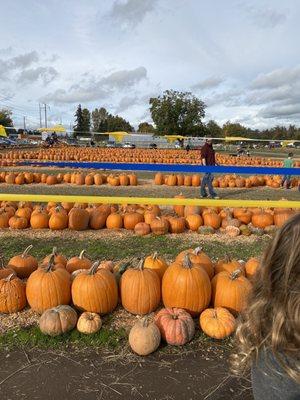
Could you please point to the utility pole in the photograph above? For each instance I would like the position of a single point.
(24, 123)
(40, 110)
(45, 105)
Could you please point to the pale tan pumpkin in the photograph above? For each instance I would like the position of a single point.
(144, 338)
(58, 320)
(89, 323)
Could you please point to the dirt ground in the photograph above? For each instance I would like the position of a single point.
(197, 373)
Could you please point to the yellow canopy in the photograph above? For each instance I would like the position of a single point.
(172, 138)
(55, 128)
(286, 142)
(3, 131)
(235, 139)
(118, 136)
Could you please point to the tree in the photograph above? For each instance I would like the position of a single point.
(145, 127)
(177, 113)
(5, 117)
(86, 120)
(99, 116)
(213, 129)
(234, 129)
(78, 127)
(117, 123)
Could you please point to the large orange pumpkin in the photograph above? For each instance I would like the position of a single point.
(140, 290)
(48, 287)
(95, 290)
(230, 290)
(78, 219)
(185, 286)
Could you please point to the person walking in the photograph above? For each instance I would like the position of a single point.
(267, 340)
(287, 163)
(208, 158)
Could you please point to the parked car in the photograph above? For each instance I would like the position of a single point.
(128, 145)
(6, 142)
(152, 146)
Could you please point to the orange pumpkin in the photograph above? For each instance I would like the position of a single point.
(217, 323)
(185, 286)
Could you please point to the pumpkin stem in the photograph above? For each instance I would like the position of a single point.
(198, 250)
(215, 315)
(235, 274)
(145, 322)
(187, 261)
(51, 263)
(155, 255)
(54, 251)
(94, 268)
(140, 266)
(81, 254)
(1, 262)
(227, 259)
(9, 277)
(26, 251)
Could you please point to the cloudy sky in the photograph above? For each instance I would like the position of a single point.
(240, 56)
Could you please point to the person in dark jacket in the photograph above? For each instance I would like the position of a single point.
(268, 333)
(208, 158)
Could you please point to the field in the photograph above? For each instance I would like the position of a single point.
(103, 365)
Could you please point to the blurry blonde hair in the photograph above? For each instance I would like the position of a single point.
(272, 318)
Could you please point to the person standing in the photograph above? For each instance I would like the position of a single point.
(287, 163)
(208, 158)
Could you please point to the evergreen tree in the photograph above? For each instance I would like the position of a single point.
(78, 127)
(86, 121)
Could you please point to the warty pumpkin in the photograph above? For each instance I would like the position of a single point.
(12, 294)
(176, 326)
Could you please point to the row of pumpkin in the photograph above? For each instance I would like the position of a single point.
(188, 287)
(142, 219)
(225, 181)
(76, 178)
(167, 156)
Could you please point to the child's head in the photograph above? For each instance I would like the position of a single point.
(290, 155)
(272, 318)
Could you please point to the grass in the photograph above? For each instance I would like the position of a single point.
(33, 337)
(129, 246)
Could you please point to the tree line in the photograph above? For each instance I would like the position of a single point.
(173, 112)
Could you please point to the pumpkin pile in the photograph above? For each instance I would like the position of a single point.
(76, 178)
(224, 181)
(192, 286)
(160, 156)
(142, 219)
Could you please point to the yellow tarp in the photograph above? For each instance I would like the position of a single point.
(3, 131)
(286, 142)
(235, 139)
(55, 128)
